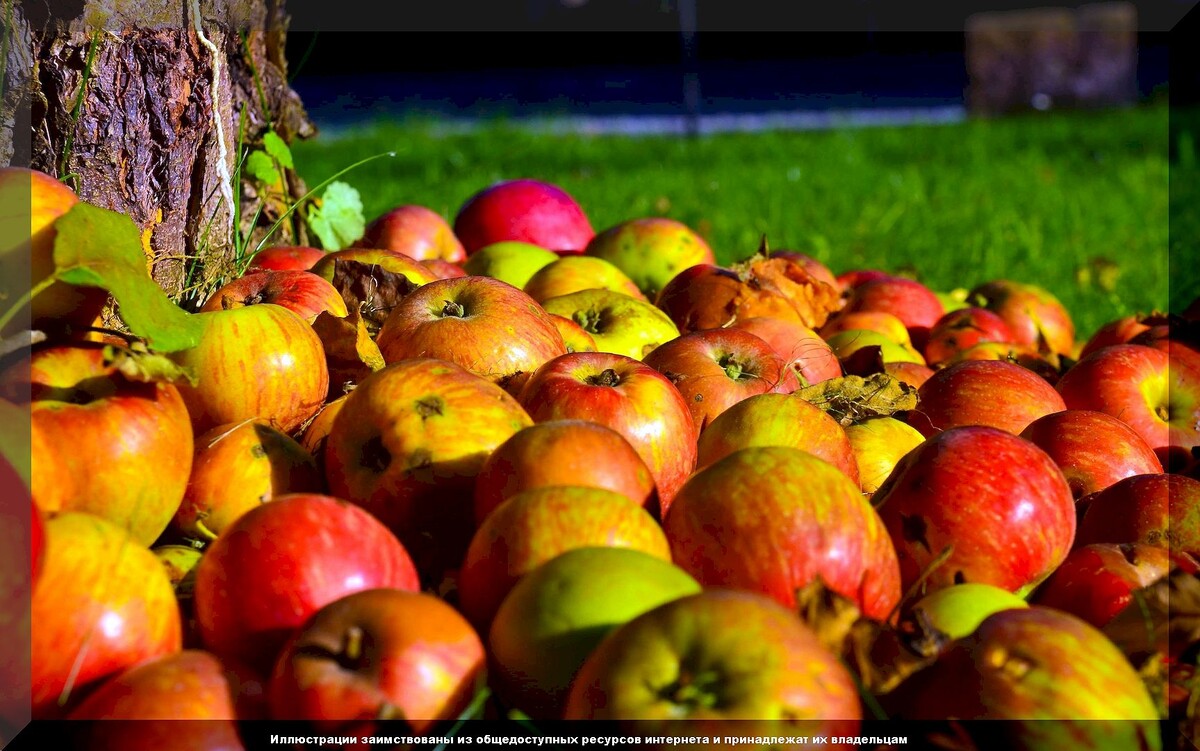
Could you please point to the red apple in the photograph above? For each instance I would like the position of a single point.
(578, 272)
(878, 321)
(261, 361)
(416, 231)
(37, 541)
(316, 432)
(301, 292)
(523, 210)
(1119, 331)
(1156, 509)
(381, 654)
(286, 258)
(1036, 317)
(563, 452)
(237, 467)
(772, 520)
(848, 280)
(103, 604)
(120, 445)
(805, 352)
(628, 396)
(538, 524)
(407, 446)
(280, 563)
(717, 368)
(917, 307)
(490, 328)
(961, 329)
(651, 250)
(1097, 581)
(912, 373)
(994, 505)
(1094, 450)
(983, 392)
(1017, 354)
(443, 269)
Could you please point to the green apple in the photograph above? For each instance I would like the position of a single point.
(846, 343)
(509, 261)
(878, 444)
(959, 609)
(573, 273)
(617, 322)
(651, 251)
(559, 612)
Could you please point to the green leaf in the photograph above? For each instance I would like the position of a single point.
(278, 149)
(260, 167)
(338, 219)
(95, 247)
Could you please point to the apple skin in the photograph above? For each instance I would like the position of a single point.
(237, 467)
(1026, 666)
(618, 323)
(1036, 317)
(712, 657)
(316, 433)
(93, 432)
(846, 343)
(961, 329)
(772, 519)
(261, 361)
(512, 262)
(1000, 503)
(778, 420)
(490, 328)
(628, 396)
(1119, 331)
(578, 272)
(912, 373)
(560, 611)
(376, 655)
(1016, 354)
(103, 603)
(407, 447)
(868, 320)
(651, 250)
(855, 277)
(575, 337)
(443, 269)
(1096, 582)
(536, 525)
(304, 293)
(1155, 509)
(805, 352)
(286, 258)
(563, 452)
(879, 443)
(524, 210)
(983, 392)
(280, 563)
(416, 231)
(1155, 394)
(1094, 450)
(917, 307)
(958, 610)
(717, 368)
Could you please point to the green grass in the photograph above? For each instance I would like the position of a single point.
(1077, 203)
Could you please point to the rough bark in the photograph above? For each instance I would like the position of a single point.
(124, 100)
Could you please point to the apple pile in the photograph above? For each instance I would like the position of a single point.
(512, 466)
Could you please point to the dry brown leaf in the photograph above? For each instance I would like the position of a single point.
(349, 349)
(852, 398)
(371, 289)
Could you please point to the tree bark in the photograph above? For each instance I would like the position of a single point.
(138, 107)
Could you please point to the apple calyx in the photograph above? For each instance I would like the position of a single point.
(851, 399)
(606, 377)
(589, 320)
(693, 690)
(453, 310)
(733, 368)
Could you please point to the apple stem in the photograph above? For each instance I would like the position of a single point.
(733, 368)
(354, 642)
(607, 377)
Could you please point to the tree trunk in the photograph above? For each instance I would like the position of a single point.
(141, 107)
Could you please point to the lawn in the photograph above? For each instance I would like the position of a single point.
(1077, 203)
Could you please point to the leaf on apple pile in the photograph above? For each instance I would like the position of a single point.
(371, 289)
(850, 399)
(146, 367)
(338, 217)
(812, 299)
(96, 247)
(349, 349)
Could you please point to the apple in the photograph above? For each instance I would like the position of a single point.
(772, 519)
(558, 613)
(524, 210)
(1155, 394)
(804, 351)
(578, 272)
(1036, 317)
(487, 326)
(712, 657)
(879, 443)
(1119, 331)
(390, 261)
(286, 258)
(22, 555)
(868, 320)
(1094, 450)
(575, 337)
(443, 269)
(535, 525)
(1055, 681)
(257, 362)
(846, 343)
(963, 328)
(179, 561)
(301, 292)
(1096, 582)
(848, 280)
(778, 420)
(103, 442)
(1017, 354)
(977, 504)
(628, 396)
(618, 323)
(373, 280)
(958, 610)
(416, 231)
(1155, 509)
(407, 446)
(238, 467)
(377, 655)
(103, 604)
(912, 373)
(316, 432)
(983, 392)
(651, 250)
(511, 261)
(563, 452)
(717, 368)
(917, 307)
(37, 542)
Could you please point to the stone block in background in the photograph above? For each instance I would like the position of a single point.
(1052, 58)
